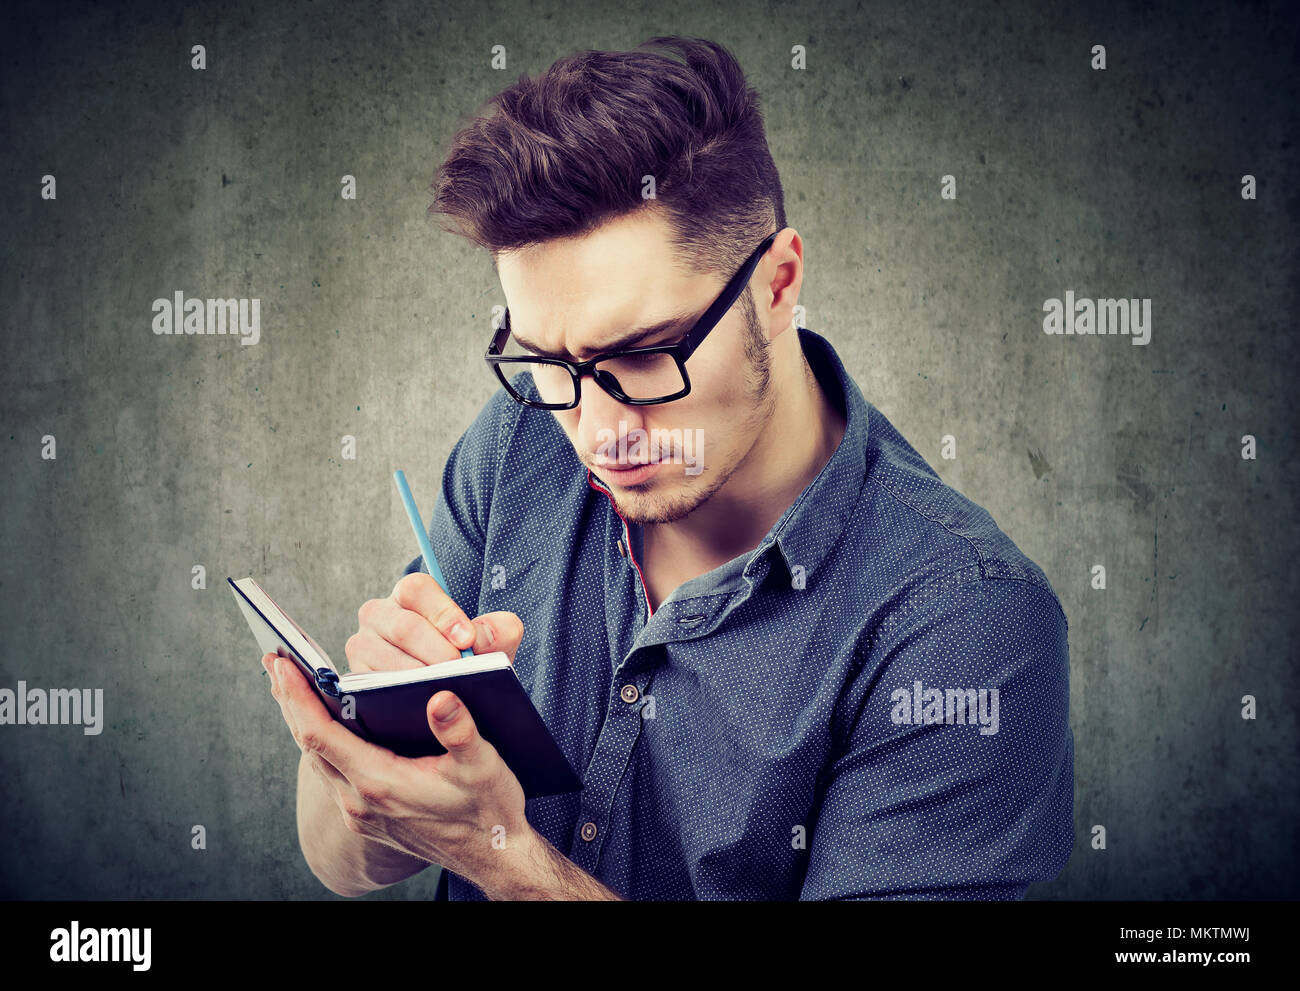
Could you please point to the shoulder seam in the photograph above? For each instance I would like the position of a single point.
(931, 589)
(924, 515)
(962, 576)
(988, 566)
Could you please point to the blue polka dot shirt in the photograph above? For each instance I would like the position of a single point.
(872, 703)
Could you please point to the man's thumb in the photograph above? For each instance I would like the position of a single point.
(457, 733)
(502, 631)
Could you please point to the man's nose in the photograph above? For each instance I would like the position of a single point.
(599, 411)
(594, 399)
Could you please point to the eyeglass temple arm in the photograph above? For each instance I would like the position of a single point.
(723, 303)
(497, 345)
(702, 326)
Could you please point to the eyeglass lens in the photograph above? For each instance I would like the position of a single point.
(637, 376)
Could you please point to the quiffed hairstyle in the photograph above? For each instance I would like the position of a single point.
(567, 152)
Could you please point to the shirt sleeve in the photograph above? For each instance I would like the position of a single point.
(459, 527)
(955, 778)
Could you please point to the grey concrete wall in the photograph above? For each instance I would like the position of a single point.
(176, 452)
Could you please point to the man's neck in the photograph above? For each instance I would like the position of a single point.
(794, 445)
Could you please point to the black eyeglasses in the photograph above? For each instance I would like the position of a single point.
(636, 376)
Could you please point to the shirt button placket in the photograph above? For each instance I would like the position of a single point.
(613, 748)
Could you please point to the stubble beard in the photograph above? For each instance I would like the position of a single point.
(646, 506)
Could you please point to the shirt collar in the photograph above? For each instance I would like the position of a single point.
(816, 521)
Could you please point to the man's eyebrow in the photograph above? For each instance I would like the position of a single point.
(682, 321)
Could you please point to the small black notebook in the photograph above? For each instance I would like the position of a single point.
(388, 707)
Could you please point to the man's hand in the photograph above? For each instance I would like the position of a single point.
(420, 624)
(411, 628)
(463, 809)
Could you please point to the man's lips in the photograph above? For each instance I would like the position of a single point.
(630, 474)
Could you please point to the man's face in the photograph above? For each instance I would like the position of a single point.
(570, 297)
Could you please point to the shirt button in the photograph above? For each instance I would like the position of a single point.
(622, 552)
(588, 830)
(630, 694)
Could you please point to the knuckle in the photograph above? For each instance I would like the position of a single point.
(447, 616)
(478, 773)
(352, 648)
(359, 650)
(406, 628)
(311, 742)
(355, 811)
(366, 614)
(409, 587)
(493, 772)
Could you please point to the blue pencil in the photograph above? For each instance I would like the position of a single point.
(426, 549)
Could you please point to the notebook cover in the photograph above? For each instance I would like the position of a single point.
(393, 716)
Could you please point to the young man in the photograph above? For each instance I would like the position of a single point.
(785, 659)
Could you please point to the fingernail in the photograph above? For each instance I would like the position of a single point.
(460, 634)
(446, 710)
(487, 632)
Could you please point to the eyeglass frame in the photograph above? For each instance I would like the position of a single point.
(680, 351)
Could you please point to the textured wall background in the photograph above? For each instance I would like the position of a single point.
(177, 451)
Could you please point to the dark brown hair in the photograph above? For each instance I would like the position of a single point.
(566, 153)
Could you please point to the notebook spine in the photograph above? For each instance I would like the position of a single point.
(328, 682)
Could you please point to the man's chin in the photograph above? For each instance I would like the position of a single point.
(657, 500)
